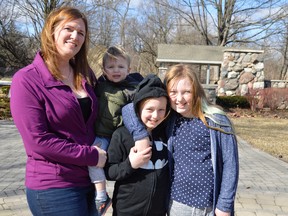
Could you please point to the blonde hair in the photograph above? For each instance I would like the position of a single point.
(113, 52)
(48, 47)
(201, 107)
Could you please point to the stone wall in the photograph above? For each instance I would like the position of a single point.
(241, 70)
(279, 83)
(210, 91)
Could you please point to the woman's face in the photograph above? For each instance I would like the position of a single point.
(180, 93)
(69, 38)
(152, 112)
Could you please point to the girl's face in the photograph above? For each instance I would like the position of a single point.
(69, 38)
(117, 69)
(180, 93)
(152, 112)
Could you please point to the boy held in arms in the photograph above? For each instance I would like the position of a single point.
(114, 90)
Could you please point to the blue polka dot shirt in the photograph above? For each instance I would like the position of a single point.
(192, 182)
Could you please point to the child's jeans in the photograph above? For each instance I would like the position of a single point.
(97, 174)
(177, 208)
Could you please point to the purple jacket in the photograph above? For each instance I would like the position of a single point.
(56, 138)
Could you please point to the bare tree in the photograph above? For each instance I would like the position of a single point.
(35, 12)
(14, 52)
(284, 68)
(222, 22)
(107, 20)
(276, 48)
(101, 17)
(152, 26)
(141, 28)
(20, 30)
(122, 14)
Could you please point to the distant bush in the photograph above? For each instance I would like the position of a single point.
(4, 102)
(232, 102)
(5, 90)
(273, 98)
(5, 108)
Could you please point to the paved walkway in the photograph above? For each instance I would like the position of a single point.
(262, 190)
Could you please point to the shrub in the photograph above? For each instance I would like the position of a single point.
(271, 98)
(5, 90)
(253, 98)
(275, 97)
(232, 102)
(5, 108)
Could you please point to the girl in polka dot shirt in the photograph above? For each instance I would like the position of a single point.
(203, 154)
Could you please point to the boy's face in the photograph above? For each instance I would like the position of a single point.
(153, 111)
(116, 70)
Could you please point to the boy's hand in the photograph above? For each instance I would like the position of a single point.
(139, 158)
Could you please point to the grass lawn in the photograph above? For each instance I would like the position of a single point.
(266, 132)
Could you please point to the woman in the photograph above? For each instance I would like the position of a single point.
(54, 108)
(202, 145)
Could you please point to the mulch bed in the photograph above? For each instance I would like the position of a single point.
(266, 113)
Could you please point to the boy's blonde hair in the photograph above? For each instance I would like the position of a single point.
(113, 52)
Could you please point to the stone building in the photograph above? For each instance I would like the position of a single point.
(241, 70)
(222, 70)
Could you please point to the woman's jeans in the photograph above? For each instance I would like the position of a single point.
(62, 201)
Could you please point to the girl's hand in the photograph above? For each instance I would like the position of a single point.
(139, 158)
(221, 213)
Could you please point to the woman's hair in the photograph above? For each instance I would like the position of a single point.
(113, 52)
(48, 46)
(201, 107)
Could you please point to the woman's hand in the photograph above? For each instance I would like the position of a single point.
(221, 213)
(102, 156)
(139, 158)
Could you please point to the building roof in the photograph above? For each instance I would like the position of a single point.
(196, 54)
